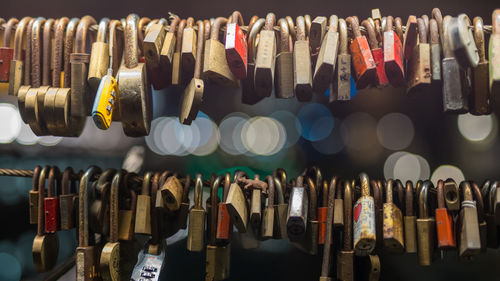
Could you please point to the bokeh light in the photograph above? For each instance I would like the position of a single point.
(291, 124)
(444, 172)
(230, 133)
(395, 131)
(263, 135)
(475, 128)
(209, 136)
(316, 121)
(358, 131)
(332, 144)
(11, 123)
(26, 135)
(10, 267)
(406, 166)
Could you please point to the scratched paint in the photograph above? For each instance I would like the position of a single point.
(364, 226)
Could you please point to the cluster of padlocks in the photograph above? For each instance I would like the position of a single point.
(58, 83)
(349, 221)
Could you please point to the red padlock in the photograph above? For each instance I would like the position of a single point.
(224, 225)
(322, 214)
(393, 56)
(444, 222)
(51, 202)
(6, 52)
(362, 58)
(236, 46)
(377, 53)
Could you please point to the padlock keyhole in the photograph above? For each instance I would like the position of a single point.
(451, 196)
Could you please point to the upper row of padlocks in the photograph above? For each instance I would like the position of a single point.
(62, 84)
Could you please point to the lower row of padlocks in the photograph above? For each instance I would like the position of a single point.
(58, 84)
(347, 221)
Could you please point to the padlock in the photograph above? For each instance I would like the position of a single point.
(312, 223)
(86, 254)
(224, 226)
(152, 46)
(25, 85)
(99, 205)
(493, 231)
(419, 73)
(51, 202)
(196, 228)
(377, 53)
(323, 212)
(327, 54)
(172, 192)
(480, 99)
(143, 209)
(176, 59)
(237, 207)
(376, 16)
(99, 59)
(126, 221)
(338, 214)
(494, 55)
(133, 86)
(469, 245)
(495, 202)
(454, 87)
(33, 196)
(149, 265)
(281, 208)
(154, 246)
(444, 222)
(393, 56)
(368, 268)
(362, 58)
(284, 64)
(435, 46)
(67, 200)
(250, 239)
(451, 195)
(255, 206)
(215, 67)
(18, 57)
(248, 95)
(317, 33)
(364, 219)
(298, 208)
(267, 231)
(410, 220)
(330, 195)
(341, 86)
(143, 25)
(183, 213)
(188, 52)
(45, 245)
(236, 46)
(462, 41)
(483, 227)
(168, 50)
(425, 226)
(302, 76)
(378, 199)
(6, 52)
(393, 223)
(410, 37)
(193, 94)
(345, 257)
(266, 58)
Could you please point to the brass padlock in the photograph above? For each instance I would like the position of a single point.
(284, 64)
(494, 55)
(364, 219)
(468, 226)
(435, 47)
(393, 223)
(425, 226)
(33, 196)
(345, 257)
(410, 220)
(168, 50)
(483, 227)
(172, 193)
(237, 207)
(176, 60)
(17, 63)
(451, 195)
(153, 43)
(45, 245)
(302, 73)
(341, 87)
(255, 206)
(215, 67)
(327, 56)
(419, 65)
(67, 200)
(143, 209)
(182, 217)
(248, 95)
(316, 31)
(281, 208)
(480, 99)
(266, 59)
(296, 224)
(86, 254)
(99, 59)
(196, 228)
(188, 52)
(98, 206)
(267, 231)
(338, 214)
(330, 195)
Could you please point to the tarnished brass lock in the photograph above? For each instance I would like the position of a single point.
(188, 52)
(338, 214)
(51, 202)
(267, 230)
(316, 30)
(33, 196)
(302, 72)
(236, 46)
(21, 91)
(215, 67)
(152, 46)
(256, 206)
(237, 207)
(362, 58)
(327, 54)
(143, 209)
(284, 64)
(45, 245)
(393, 55)
(296, 224)
(410, 220)
(480, 98)
(98, 207)
(326, 264)
(494, 55)
(176, 59)
(469, 245)
(172, 193)
(266, 59)
(17, 62)
(483, 227)
(6, 52)
(345, 257)
(425, 226)
(135, 90)
(281, 208)
(435, 47)
(248, 95)
(444, 221)
(341, 87)
(67, 200)
(168, 50)
(393, 223)
(182, 216)
(377, 53)
(419, 65)
(99, 58)
(451, 195)
(196, 228)
(364, 219)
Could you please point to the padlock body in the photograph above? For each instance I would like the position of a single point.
(436, 62)
(480, 99)
(284, 76)
(33, 205)
(80, 97)
(67, 211)
(419, 69)
(6, 56)
(494, 56)
(126, 220)
(45, 249)
(109, 263)
(176, 69)
(236, 50)
(237, 208)
(297, 214)
(393, 228)
(425, 234)
(196, 230)
(493, 233)
(256, 208)
(215, 67)
(410, 223)
(393, 59)
(152, 44)
(364, 226)
(325, 64)
(248, 95)
(51, 207)
(182, 217)
(98, 65)
(454, 91)
(451, 196)
(15, 76)
(105, 101)
(338, 214)
(171, 192)
(345, 265)
(218, 262)
(378, 57)
(363, 63)
(265, 64)
(167, 52)
(322, 218)
(193, 96)
(85, 259)
(223, 224)
(143, 215)
(281, 213)
(268, 223)
(188, 54)
(444, 226)
(470, 240)
(341, 90)
(302, 76)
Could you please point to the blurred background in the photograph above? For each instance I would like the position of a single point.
(382, 132)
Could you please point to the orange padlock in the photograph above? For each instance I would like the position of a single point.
(323, 213)
(393, 55)
(444, 222)
(236, 46)
(377, 53)
(362, 58)
(224, 225)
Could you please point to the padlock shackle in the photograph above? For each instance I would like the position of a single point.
(47, 51)
(36, 47)
(339, 190)
(54, 175)
(270, 22)
(40, 229)
(479, 201)
(495, 22)
(398, 23)
(433, 26)
(57, 59)
(102, 30)
(466, 192)
(105, 177)
(144, 21)
(438, 16)
(440, 195)
(422, 31)
(81, 33)
(447, 51)
(131, 58)
(423, 207)
(348, 192)
(300, 181)
(189, 22)
(364, 181)
(208, 28)
(67, 176)
(284, 42)
(69, 39)
(164, 176)
(479, 38)
(279, 190)
(198, 191)
(146, 183)
(155, 235)
(185, 190)
(343, 37)
(485, 188)
(213, 210)
(324, 194)
(214, 32)
(388, 191)
(330, 195)
(115, 46)
(308, 23)
(315, 173)
(199, 49)
(8, 31)
(291, 27)
(354, 26)
(333, 23)
(301, 28)
(237, 18)
(388, 23)
(409, 199)
(113, 206)
(18, 37)
(372, 37)
(83, 205)
(36, 176)
(491, 196)
(270, 191)
(173, 24)
(252, 39)
(238, 174)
